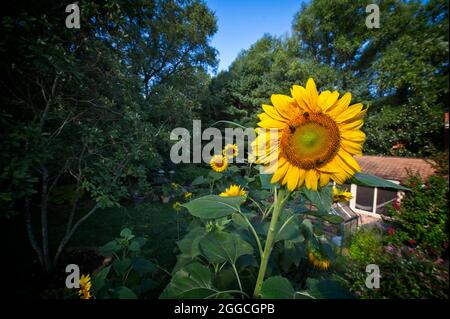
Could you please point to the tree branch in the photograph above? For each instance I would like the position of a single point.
(31, 238)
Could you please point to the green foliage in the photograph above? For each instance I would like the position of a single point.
(277, 288)
(393, 125)
(213, 206)
(222, 253)
(75, 112)
(423, 215)
(393, 70)
(406, 263)
(192, 282)
(129, 275)
(327, 289)
(366, 245)
(220, 247)
(406, 273)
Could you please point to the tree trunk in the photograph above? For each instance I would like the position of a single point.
(44, 221)
(31, 238)
(69, 235)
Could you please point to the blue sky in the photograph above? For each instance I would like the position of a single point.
(242, 22)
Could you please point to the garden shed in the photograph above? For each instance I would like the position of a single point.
(372, 201)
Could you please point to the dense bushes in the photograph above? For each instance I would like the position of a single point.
(410, 253)
(367, 246)
(402, 78)
(89, 112)
(405, 272)
(422, 218)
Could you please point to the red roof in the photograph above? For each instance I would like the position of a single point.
(395, 168)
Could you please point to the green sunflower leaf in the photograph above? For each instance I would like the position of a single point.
(277, 288)
(193, 281)
(214, 206)
(219, 247)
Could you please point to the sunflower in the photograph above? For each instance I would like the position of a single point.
(230, 151)
(317, 260)
(341, 196)
(318, 135)
(187, 195)
(85, 287)
(177, 206)
(234, 190)
(219, 163)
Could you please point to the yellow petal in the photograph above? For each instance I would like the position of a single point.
(349, 160)
(301, 97)
(349, 113)
(293, 175)
(280, 172)
(354, 135)
(340, 177)
(313, 95)
(285, 105)
(323, 96)
(340, 106)
(270, 157)
(301, 177)
(357, 116)
(327, 100)
(355, 125)
(351, 147)
(273, 165)
(273, 113)
(272, 124)
(311, 179)
(343, 166)
(329, 168)
(324, 179)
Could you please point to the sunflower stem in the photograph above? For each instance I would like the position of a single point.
(279, 201)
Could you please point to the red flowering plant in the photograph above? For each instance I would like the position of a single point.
(421, 220)
(390, 231)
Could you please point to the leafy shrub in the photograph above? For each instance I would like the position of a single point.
(366, 245)
(129, 275)
(406, 273)
(423, 215)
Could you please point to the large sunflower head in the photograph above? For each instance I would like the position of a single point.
(318, 135)
(219, 163)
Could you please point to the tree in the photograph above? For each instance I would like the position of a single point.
(393, 70)
(75, 122)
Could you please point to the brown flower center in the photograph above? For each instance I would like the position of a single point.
(310, 141)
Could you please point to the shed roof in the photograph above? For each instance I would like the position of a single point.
(395, 168)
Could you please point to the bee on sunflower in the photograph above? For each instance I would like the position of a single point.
(318, 136)
(317, 259)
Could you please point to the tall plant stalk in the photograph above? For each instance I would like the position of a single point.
(279, 201)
